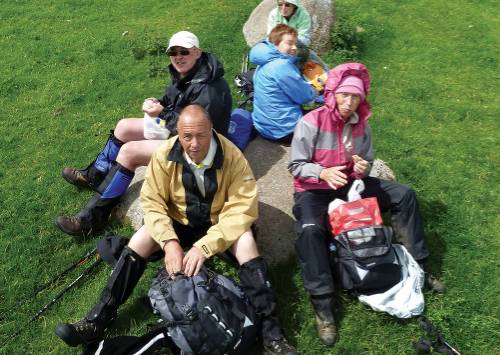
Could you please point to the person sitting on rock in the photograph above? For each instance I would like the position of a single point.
(279, 88)
(197, 77)
(199, 194)
(293, 14)
(331, 147)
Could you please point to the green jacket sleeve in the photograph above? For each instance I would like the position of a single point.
(301, 21)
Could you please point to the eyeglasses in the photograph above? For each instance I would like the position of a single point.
(174, 53)
(285, 4)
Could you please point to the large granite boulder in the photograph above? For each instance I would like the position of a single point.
(323, 18)
(275, 226)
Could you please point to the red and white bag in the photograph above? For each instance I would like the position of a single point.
(357, 213)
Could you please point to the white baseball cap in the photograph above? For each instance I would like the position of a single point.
(183, 39)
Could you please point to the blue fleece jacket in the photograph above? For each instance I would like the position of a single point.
(279, 90)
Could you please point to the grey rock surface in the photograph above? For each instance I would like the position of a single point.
(382, 171)
(322, 14)
(129, 209)
(275, 226)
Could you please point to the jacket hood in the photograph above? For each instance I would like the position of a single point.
(336, 75)
(265, 52)
(294, 2)
(207, 69)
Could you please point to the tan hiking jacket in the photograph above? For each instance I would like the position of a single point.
(170, 193)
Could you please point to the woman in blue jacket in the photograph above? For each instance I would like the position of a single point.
(279, 88)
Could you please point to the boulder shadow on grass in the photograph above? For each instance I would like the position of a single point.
(434, 214)
(275, 234)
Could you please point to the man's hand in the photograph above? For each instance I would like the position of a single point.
(152, 107)
(360, 165)
(193, 261)
(334, 176)
(173, 257)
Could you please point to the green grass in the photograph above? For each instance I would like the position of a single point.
(69, 72)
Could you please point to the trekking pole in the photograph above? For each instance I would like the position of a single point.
(66, 271)
(438, 341)
(53, 301)
(56, 278)
(244, 63)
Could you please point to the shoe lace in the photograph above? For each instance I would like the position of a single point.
(79, 175)
(280, 346)
(86, 327)
(74, 219)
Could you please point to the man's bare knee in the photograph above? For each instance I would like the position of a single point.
(122, 128)
(127, 155)
(129, 129)
(245, 248)
(142, 243)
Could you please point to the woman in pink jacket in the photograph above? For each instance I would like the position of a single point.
(331, 147)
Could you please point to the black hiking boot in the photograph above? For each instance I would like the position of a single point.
(257, 285)
(125, 275)
(279, 347)
(81, 332)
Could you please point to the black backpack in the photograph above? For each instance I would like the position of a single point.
(204, 314)
(244, 83)
(365, 261)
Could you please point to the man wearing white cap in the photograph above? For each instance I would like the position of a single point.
(197, 78)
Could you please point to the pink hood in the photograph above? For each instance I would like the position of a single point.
(336, 75)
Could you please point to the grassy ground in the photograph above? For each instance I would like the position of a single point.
(70, 69)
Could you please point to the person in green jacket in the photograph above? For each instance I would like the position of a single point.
(293, 14)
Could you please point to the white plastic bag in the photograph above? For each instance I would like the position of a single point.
(354, 193)
(153, 128)
(405, 299)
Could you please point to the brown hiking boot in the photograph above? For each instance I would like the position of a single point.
(76, 177)
(73, 226)
(434, 284)
(89, 177)
(325, 321)
(327, 330)
(430, 281)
